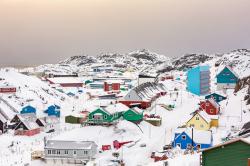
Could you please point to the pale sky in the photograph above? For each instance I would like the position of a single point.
(47, 31)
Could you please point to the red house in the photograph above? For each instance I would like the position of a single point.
(210, 106)
(7, 89)
(111, 86)
(27, 128)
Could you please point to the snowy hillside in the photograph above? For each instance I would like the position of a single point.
(239, 59)
(30, 91)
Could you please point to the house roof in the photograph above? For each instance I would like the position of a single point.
(246, 140)
(231, 70)
(199, 136)
(119, 107)
(2, 118)
(60, 144)
(205, 116)
(214, 103)
(30, 125)
(65, 80)
(137, 110)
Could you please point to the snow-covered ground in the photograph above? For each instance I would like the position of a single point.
(234, 113)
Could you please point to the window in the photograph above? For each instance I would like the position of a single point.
(58, 152)
(211, 111)
(85, 152)
(201, 125)
(93, 116)
(74, 152)
(220, 98)
(105, 116)
(183, 137)
(198, 146)
(53, 151)
(66, 152)
(197, 118)
(49, 151)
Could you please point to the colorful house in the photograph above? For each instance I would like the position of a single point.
(143, 95)
(187, 138)
(217, 97)
(28, 109)
(28, 128)
(234, 152)
(227, 78)
(105, 115)
(53, 110)
(134, 115)
(198, 80)
(210, 106)
(202, 121)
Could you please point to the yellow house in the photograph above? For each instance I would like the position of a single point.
(200, 121)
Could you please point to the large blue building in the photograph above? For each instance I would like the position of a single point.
(199, 139)
(227, 78)
(198, 80)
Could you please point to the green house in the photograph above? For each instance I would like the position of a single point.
(235, 152)
(133, 115)
(104, 115)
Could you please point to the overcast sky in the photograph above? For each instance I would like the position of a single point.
(47, 31)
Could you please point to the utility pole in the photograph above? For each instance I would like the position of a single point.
(241, 110)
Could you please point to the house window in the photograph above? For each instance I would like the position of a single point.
(49, 151)
(66, 152)
(183, 137)
(85, 152)
(93, 116)
(211, 111)
(105, 116)
(74, 152)
(197, 118)
(198, 146)
(220, 98)
(201, 125)
(53, 151)
(58, 152)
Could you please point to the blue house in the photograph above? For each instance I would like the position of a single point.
(227, 78)
(53, 110)
(28, 109)
(218, 98)
(201, 139)
(198, 80)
